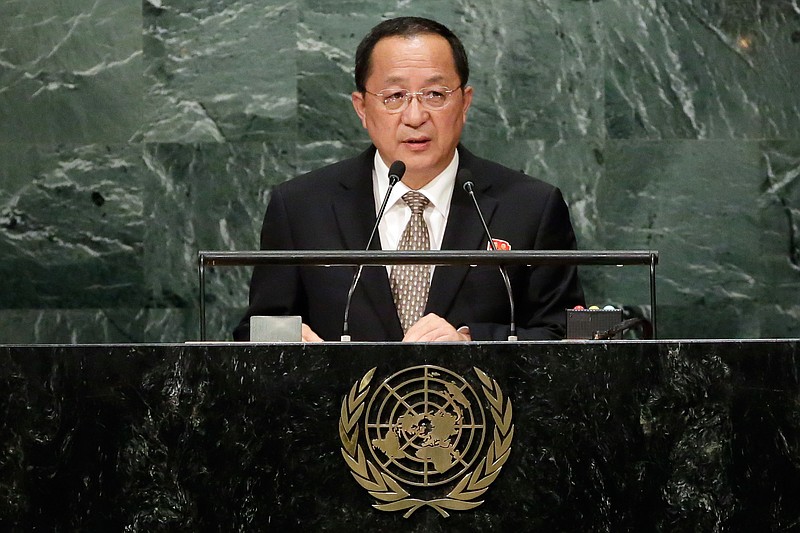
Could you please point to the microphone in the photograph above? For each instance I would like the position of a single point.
(464, 177)
(396, 171)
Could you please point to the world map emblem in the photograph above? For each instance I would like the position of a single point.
(432, 438)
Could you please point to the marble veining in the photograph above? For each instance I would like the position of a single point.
(133, 135)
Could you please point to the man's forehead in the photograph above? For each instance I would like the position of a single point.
(422, 41)
(397, 58)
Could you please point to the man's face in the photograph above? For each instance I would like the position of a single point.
(425, 140)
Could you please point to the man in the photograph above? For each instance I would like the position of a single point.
(412, 97)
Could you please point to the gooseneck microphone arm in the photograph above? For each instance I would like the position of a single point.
(465, 178)
(396, 172)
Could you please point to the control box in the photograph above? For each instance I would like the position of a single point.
(584, 323)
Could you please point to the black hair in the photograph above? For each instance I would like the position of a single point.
(407, 27)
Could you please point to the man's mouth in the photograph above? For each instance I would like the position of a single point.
(417, 142)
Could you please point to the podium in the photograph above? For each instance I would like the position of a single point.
(614, 436)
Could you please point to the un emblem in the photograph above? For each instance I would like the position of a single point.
(426, 428)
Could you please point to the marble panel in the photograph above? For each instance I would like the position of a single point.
(70, 326)
(315, 155)
(205, 197)
(70, 71)
(71, 226)
(779, 207)
(182, 324)
(722, 234)
(702, 70)
(219, 71)
(327, 37)
(537, 70)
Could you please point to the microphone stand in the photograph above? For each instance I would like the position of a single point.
(468, 187)
(396, 172)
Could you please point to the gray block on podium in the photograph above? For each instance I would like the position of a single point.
(276, 328)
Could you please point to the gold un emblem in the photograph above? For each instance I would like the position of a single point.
(425, 428)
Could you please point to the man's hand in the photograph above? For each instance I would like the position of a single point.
(308, 334)
(433, 328)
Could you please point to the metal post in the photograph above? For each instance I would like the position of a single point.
(202, 271)
(653, 259)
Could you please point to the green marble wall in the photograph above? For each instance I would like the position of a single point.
(132, 136)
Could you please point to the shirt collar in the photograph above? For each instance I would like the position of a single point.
(439, 190)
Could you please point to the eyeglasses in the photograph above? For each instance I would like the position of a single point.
(431, 98)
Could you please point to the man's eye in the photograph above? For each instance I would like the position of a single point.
(395, 96)
(434, 94)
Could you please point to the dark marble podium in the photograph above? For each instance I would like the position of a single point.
(612, 436)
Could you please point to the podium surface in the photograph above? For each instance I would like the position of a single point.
(616, 435)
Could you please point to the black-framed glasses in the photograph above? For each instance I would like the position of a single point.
(431, 98)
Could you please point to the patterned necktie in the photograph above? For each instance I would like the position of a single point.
(410, 283)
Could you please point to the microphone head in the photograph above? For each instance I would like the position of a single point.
(396, 172)
(464, 178)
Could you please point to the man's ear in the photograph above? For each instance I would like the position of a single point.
(467, 100)
(360, 106)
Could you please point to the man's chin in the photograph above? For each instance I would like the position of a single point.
(417, 158)
(418, 174)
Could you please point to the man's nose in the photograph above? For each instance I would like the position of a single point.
(415, 113)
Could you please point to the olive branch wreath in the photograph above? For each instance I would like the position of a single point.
(383, 487)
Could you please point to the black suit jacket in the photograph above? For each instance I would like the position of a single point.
(333, 208)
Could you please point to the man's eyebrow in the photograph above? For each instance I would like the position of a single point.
(395, 79)
(435, 79)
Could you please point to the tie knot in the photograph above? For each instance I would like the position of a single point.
(416, 201)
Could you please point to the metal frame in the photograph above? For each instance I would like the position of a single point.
(441, 257)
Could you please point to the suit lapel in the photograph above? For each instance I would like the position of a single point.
(464, 231)
(354, 210)
(353, 202)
